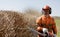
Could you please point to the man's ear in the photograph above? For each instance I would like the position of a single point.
(50, 11)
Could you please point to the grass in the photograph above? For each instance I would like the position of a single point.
(58, 27)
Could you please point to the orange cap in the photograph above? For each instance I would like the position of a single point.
(46, 7)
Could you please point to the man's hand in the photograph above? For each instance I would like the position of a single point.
(51, 34)
(54, 35)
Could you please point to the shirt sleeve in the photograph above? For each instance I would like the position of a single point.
(39, 21)
(54, 27)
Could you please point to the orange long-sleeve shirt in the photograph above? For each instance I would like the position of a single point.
(47, 22)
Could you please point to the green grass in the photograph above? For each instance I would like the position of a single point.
(58, 27)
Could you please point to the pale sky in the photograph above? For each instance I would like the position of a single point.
(21, 5)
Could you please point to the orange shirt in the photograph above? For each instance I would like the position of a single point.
(47, 22)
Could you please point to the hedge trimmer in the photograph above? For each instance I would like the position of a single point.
(44, 34)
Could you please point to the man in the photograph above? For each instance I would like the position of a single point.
(46, 22)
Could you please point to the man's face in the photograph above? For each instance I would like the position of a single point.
(46, 12)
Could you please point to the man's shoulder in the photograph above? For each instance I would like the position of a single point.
(39, 17)
(52, 17)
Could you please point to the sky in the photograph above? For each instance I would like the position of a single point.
(21, 5)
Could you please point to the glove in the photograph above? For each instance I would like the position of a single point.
(45, 30)
(54, 35)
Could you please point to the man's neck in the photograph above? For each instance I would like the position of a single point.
(47, 15)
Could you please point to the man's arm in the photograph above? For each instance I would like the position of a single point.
(39, 22)
(54, 27)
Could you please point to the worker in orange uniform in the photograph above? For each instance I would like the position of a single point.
(46, 22)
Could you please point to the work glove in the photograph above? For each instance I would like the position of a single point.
(54, 35)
